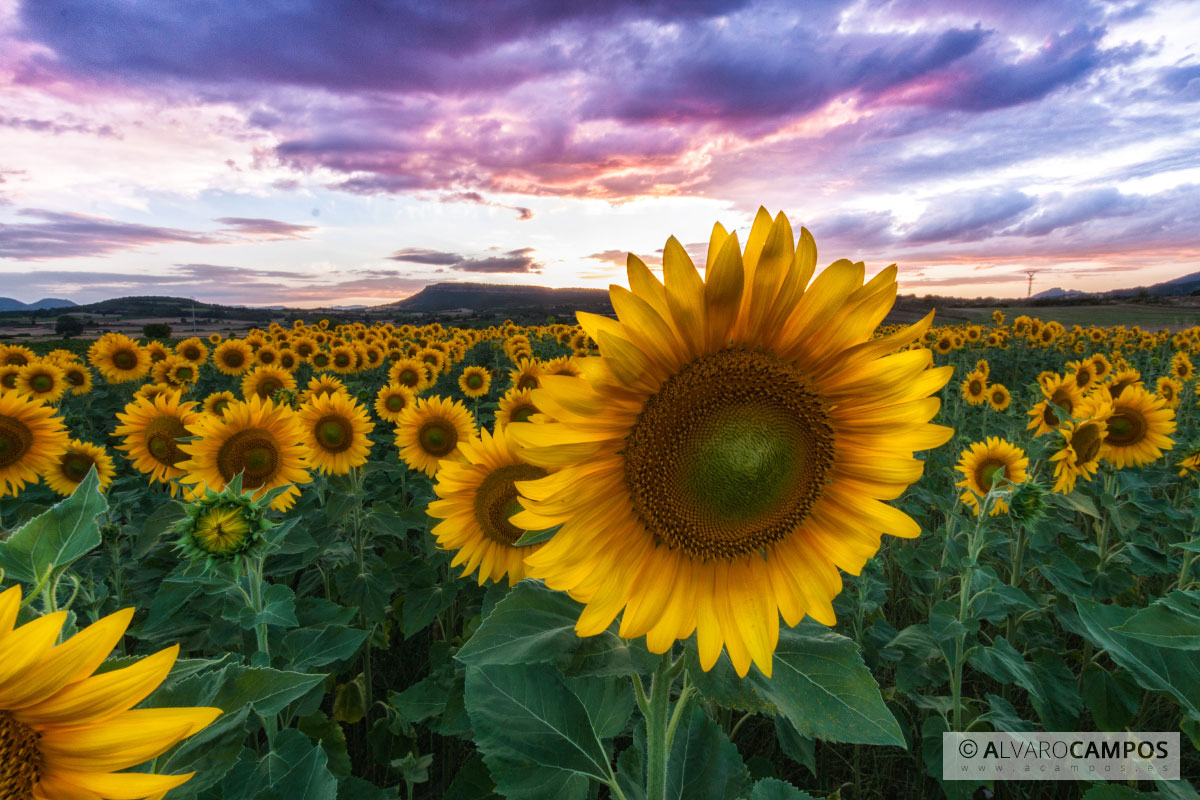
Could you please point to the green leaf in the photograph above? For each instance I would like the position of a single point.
(1176, 672)
(424, 699)
(57, 537)
(1173, 621)
(279, 609)
(1112, 699)
(800, 749)
(609, 702)
(1077, 502)
(472, 782)
(534, 624)
(305, 648)
(535, 735)
(422, 603)
(536, 537)
(771, 789)
(295, 768)
(820, 684)
(703, 764)
(268, 691)
(1050, 684)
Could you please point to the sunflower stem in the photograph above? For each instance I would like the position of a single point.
(657, 729)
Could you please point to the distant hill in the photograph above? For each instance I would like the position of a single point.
(1176, 287)
(500, 297)
(9, 304)
(1057, 294)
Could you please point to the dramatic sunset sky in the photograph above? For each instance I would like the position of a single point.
(308, 152)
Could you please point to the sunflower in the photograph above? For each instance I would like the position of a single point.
(267, 356)
(8, 377)
(181, 371)
(1168, 389)
(217, 402)
(1101, 366)
(266, 381)
(1190, 463)
(516, 405)
(73, 466)
(322, 384)
(78, 378)
(304, 346)
(319, 359)
(256, 438)
(1122, 379)
(477, 496)
(409, 372)
(430, 430)
(475, 382)
(984, 465)
(42, 380)
(998, 397)
(288, 360)
(974, 388)
(158, 351)
(215, 338)
(1181, 367)
(153, 390)
(944, 344)
(233, 357)
(342, 360)
(526, 375)
(63, 731)
(1137, 427)
(192, 350)
(16, 355)
(119, 359)
(564, 365)
(983, 368)
(433, 357)
(729, 450)
(336, 428)
(1084, 373)
(152, 429)
(391, 400)
(1058, 391)
(1080, 449)
(32, 439)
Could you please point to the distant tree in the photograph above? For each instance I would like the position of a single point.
(68, 326)
(156, 330)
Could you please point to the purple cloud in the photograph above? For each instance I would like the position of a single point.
(266, 228)
(968, 217)
(514, 261)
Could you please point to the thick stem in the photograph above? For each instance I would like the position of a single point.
(657, 724)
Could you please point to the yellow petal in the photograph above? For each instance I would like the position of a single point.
(124, 741)
(25, 647)
(723, 286)
(123, 785)
(10, 604)
(685, 295)
(647, 328)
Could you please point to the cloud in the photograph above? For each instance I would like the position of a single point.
(68, 125)
(967, 216)
(1077, 208)
(266, 228)
(58, 234)
(513, 261)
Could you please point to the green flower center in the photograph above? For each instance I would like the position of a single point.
(42, 384)
(394, 403)
(437, 437)
(125, 360)
(730, 455)
(474, 381)
(334, 434)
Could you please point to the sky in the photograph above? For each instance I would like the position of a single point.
(310, 152)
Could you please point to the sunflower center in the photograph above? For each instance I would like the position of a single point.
(987, 473)
(191, 354)
(730, 455)
(522, 413)
(341, 360)
(408, 377)
(1086, 442)
(438, 437)
(124, 359)
(9, 381)
(1126, 428)
(267, 386)
(266, 357)
(527, 382)
(976, 387)
(474, 381)
(221, 531)
(254, 453)
(219, 406)
(161, 434)
(233, 358)
(496, 501)
(41, 384)
(394, 403)
(320, 359)
(334, 434)
(1083, 377)
(75, 466)
(75, 377)
(15, 440)
(183, 374)
(20, 761)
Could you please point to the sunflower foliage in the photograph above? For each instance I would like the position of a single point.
(636, 557)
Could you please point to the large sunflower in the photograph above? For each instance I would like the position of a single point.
(1137, 427)
(42, 380)
(336, 429)
(119, 359)
(266, 381)
(258, 439)
(984, 464)
(32, 439)
(391, 400)
(64, 732)
(409, 372)
(233, 357)
(430, 430)
(152, 429)
(73, 466)
(478, 496)
(731, 447)
(1058, 391)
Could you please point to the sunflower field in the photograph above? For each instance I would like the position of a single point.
(640, 557)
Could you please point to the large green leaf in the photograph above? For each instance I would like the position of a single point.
(772, 789)
(703, 764)
(268, 691)
(819, 683)
(57, 537)
(306, 648)
(1051, 686)
(534, 732)
(1173, 621)
(295, 768)
(534, 624)
(1176, 672)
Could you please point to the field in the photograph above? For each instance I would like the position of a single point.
(439, 562)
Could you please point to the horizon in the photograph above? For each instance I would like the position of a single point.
(532, 144)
